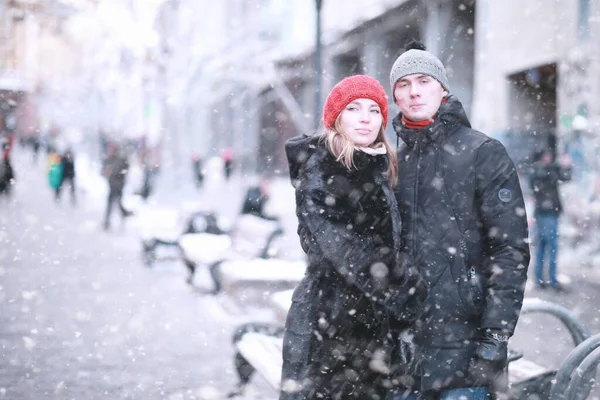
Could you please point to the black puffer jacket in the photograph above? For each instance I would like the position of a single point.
(544, 183)
(68, 166)
(357, 281)
(465, 228)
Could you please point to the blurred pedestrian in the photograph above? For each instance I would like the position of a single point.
(227, 157)
(55, 170)
(7, 141)
(147, 182)
(465, 226)
(7, 173)
(149, 172)
(256, 198)
(198, 170)
(359, 292)
(35, 144)
(68, 175)
(545, 179)
(115, 170)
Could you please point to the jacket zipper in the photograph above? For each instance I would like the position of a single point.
(416, 197)
(471, 273)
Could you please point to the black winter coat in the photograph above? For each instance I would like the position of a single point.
(6, 174)
(465, 228)
(544, 183)
(115, 169)
(68, 167)
(338, 336)
(254, 202)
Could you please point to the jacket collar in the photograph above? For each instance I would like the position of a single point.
(301, 148)
(449, 118)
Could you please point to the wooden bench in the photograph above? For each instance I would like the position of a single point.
(263, 352)
(253, 282)
(161, 229)
(260, 350)
(528, 380)
(251, 237)
(258, 347)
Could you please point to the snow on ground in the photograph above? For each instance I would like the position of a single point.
(579, 258)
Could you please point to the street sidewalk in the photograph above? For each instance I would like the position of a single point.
(82, 315)
(543, 339)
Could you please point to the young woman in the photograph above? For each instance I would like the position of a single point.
(359, 291)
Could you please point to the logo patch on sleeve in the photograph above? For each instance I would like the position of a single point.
(505, 195)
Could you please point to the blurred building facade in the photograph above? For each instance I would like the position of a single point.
(240, 73)
(252, 84)
(81, 68)
(537, 73)
(34, 52)
(247, 80)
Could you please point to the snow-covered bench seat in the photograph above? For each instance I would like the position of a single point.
(251, 237)
(259, 348)
(161, 228)
(281, 302)
(256, 280)
(258, 345)
(205, 248)
(528, 379)
(263, 353)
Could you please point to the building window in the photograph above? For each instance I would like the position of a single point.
(583, 21)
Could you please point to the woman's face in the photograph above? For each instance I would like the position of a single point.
(361, 121)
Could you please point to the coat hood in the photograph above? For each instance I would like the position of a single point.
(298, 150)
(449, 118)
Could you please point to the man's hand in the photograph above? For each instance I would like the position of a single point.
(490, 357)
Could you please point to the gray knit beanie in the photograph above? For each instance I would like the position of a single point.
(417, 60)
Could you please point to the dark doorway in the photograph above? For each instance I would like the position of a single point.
(348, 65)
(532, 100)
(532, 112)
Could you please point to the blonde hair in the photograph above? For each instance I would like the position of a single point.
(342, 148)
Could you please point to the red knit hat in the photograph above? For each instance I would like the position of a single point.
(352, 88)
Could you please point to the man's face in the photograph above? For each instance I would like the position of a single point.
(419, 96)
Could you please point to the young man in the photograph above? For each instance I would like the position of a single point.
(116, 167)
(545, 178)
(465, 227)
(68, 174)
